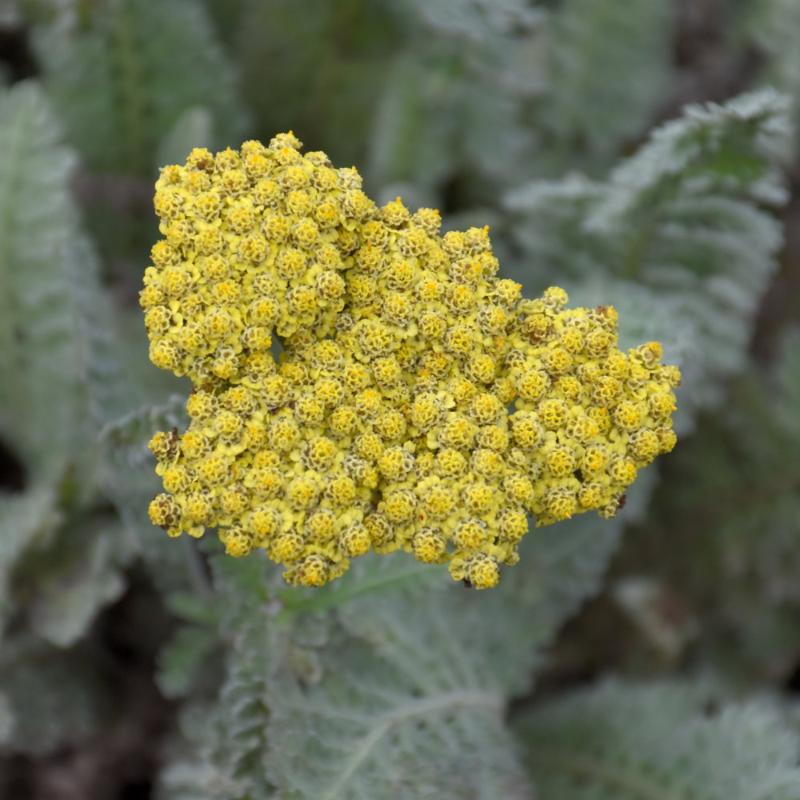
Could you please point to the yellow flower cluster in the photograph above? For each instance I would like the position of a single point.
(419, 401)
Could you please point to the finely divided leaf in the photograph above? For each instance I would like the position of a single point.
(122, 77)
(677, 238)
(594, 47)
(42, 352)
(392, 683)
(659, 742)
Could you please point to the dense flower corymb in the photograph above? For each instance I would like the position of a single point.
(419, 402)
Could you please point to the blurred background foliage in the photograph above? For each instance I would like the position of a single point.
(643, 154)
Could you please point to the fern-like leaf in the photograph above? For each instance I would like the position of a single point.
(775, 26)
(591, 105)
(390, 684)
(659, 742)
(452, 105)
(677, 238)
(42, 352)
(421, 676)
(726, 532)
(748, 458)
(122, 75)
(57, 382)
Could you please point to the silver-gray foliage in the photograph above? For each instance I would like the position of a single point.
(121, 79)
(390, 683)
(678, 237)
(664, 741)
(55, 360)
(591, 106)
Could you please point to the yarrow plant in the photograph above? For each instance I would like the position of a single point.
(419, 401)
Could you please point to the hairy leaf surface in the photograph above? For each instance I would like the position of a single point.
(659, 742)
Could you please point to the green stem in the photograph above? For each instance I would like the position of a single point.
(320, 601)
(132, 99)
(194, 566)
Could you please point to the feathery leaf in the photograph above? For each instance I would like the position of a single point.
(659, 742)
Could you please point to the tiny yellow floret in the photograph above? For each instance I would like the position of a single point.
(419, 402)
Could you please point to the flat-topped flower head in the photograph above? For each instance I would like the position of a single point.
(419, 402)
